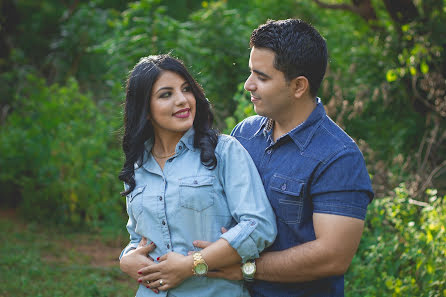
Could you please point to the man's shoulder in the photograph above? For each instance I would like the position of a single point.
(330, 140)
(249, 126)
(329, 131)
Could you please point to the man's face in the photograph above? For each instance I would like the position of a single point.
(271, 95)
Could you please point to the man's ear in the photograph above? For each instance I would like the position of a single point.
(301, 86)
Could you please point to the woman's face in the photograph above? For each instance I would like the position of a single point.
(172, 104)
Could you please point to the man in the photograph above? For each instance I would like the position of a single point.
(313, 172)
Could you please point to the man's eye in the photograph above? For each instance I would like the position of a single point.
(261, 78)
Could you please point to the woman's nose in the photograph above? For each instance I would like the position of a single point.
(181, 98)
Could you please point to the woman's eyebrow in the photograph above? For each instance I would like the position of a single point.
(163, 88)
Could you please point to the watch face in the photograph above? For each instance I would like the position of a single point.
(201, 269)
(249, 268)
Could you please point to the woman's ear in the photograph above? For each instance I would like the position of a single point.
(301, 86)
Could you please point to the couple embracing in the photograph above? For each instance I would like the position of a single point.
(275, 209)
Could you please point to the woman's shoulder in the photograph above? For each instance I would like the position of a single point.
(227, 143)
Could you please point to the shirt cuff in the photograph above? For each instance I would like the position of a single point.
(350, 204)
(239, 238)
(128, 248)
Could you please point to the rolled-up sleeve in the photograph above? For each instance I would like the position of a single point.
(256, 223)
(135, 238)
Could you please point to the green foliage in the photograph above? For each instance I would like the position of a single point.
(73, 52)
(403, 248)
(244, 109)
(61, 155)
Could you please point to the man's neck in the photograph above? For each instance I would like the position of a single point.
(293, 118)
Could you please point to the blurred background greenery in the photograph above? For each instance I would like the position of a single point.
(63, 66)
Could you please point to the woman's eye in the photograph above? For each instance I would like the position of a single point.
(187, 89)
(165, 95)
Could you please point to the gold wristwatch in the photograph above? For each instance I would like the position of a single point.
(200, 267)
(248, 270)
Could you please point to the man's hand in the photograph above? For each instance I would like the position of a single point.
(136, 259)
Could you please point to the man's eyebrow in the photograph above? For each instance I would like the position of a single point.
(261, 73)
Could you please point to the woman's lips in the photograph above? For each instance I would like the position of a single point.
(182, 113)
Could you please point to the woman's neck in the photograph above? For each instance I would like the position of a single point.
(165, 143)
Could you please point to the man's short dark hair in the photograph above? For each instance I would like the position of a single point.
(299, 49)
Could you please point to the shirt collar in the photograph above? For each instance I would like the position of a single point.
(263, 124)
(301, 134)
(187, 141)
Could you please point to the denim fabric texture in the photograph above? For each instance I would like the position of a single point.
(315, 168)
(186, 201)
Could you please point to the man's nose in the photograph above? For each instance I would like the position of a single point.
(249, 85)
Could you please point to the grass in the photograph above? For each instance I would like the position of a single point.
(43, 261)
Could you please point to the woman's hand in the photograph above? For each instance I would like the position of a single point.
(172, 270)
(136, 259)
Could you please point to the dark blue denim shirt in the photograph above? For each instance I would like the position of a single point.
(316, 167)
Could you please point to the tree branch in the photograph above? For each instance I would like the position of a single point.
(363, 8)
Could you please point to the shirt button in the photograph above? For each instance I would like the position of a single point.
(269, 151)
(163, 222)
(161, 198)
(283, 187)
(195, 182)
(168, 246)
(170, 160)
(180, 147)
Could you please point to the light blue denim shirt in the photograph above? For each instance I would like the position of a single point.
(186, 201)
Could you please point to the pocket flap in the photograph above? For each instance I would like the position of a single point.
(197, 181)
(286, 185)
(135, 192)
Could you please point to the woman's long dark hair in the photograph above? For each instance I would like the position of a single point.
(137, 129)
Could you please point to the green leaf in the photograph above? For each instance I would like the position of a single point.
(424, 67)
(391, 75)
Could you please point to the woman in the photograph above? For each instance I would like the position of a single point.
(183, 182)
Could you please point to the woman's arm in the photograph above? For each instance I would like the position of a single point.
(247, 201)
(134, 256)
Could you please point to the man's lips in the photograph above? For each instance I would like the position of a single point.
(254, 98)
(182, 113)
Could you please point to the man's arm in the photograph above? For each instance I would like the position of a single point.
(337, 239)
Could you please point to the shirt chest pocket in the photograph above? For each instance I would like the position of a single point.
(288, 194)
(136, 201)
(197, 192)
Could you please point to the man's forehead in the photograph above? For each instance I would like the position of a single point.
(262, 59)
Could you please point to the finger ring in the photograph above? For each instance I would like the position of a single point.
(148, 282)
(161, 282)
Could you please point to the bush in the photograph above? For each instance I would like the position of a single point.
(58, 156)
(403, 249)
